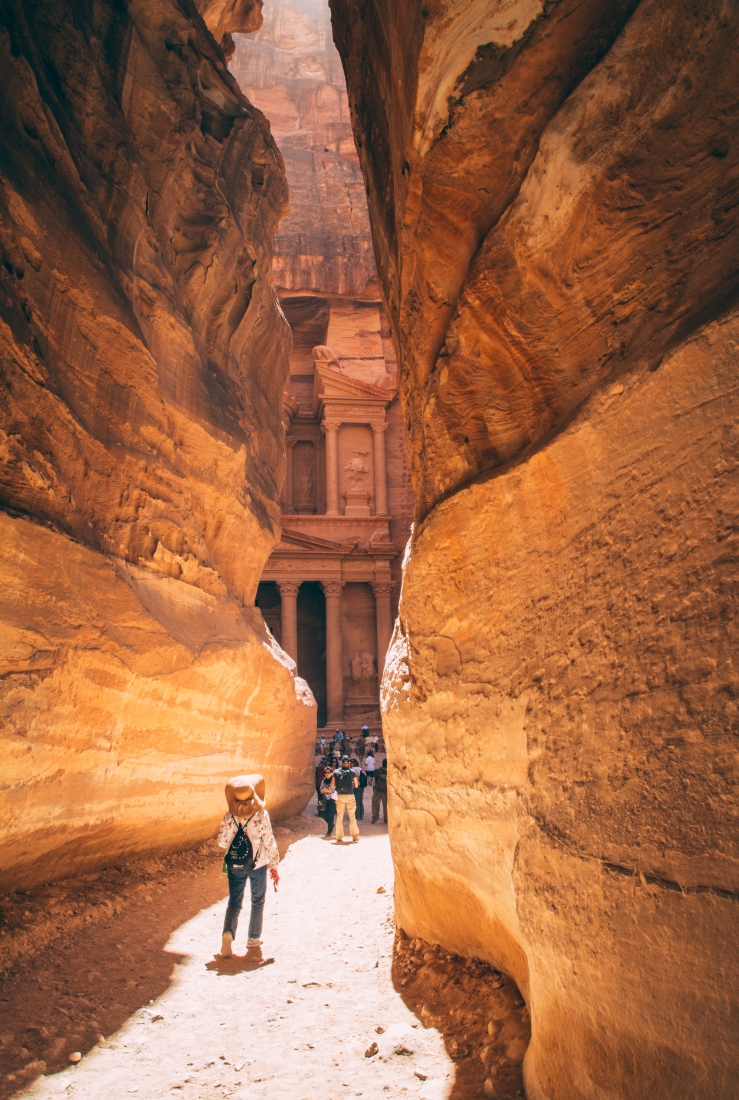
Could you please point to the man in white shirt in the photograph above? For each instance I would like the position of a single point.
(369, 767)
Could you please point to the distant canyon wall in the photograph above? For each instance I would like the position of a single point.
(291, 70)
(143, 360)
(553, 191)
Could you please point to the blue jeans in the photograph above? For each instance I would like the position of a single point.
(236, 883)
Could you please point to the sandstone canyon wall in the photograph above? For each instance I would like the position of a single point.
(554, 196)
(143, 359)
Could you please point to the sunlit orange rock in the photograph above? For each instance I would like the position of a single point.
(143, 360)
(224, 18)
(553, 192)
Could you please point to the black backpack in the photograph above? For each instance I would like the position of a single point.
(241, 853)
(344, 781)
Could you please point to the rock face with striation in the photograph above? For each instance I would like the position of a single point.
(553, 191)
(143, 359)
(290, 69)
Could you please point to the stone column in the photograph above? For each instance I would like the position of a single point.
(383, 611)
(288, 491)
(334, 654)
(330, 429)
(378, 438)
(289, 595)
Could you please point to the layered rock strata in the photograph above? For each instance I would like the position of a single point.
(143, 358)
(553, 191)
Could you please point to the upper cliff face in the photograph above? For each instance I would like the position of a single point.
(143, 356)
(553, 189)
(292, 71)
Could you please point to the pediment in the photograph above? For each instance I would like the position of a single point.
(330, 384)
(302, 541)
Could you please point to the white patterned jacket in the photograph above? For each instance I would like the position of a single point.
(259, 831)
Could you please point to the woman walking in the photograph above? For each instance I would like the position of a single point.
(327, 796)
(247, 838)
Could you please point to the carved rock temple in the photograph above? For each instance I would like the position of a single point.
(330, 588)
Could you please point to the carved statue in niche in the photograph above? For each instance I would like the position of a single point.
(357, 470)
(304, 478)
(363, 668)
(305, 484)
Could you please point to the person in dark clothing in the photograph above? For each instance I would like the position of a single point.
(327, 796)
(359, 791)
(379, 794)
(320, 772)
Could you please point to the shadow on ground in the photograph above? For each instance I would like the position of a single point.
(90, 952)
(479, 1013)
(238, 964)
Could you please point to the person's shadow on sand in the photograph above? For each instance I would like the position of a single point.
(237, 964)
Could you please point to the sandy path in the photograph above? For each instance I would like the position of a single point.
(296, 1028)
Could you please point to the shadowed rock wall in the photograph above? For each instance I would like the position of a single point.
(143, 359)
(553, 194)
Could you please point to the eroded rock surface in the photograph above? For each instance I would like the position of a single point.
(143, 359)
(553, 195)
(224, 18)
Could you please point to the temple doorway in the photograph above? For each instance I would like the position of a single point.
(312, 642)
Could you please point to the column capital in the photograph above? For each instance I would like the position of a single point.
(332, 588)
(291, 442)
(379, 427)
(330, 425)
(289, 588)
(383, 588)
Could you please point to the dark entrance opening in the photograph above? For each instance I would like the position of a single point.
(312, 642)
(269, 603)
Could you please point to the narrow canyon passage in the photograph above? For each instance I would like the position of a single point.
(297, 1025)
(370, 368)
